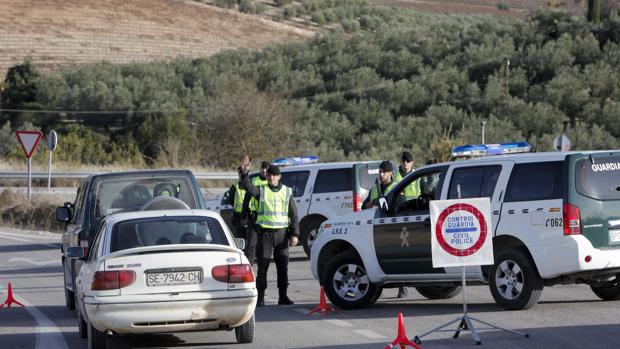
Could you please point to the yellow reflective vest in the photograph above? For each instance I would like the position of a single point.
(273, 207)
(412, 191)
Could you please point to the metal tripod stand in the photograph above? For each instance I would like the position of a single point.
(465, 323)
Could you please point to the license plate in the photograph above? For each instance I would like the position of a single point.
(614, 236)
(174, 278)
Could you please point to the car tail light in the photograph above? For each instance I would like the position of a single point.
(358, 199)
(572, 220)
(112, 280)
(233, 273)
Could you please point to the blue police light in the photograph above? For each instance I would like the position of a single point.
(298, 160)
(490, 149)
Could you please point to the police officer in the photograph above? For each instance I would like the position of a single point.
(236, 196)
(412, 191)
(384, 184)
(250, 205)
(276, 227)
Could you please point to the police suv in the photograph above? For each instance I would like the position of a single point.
(555, 220)
(321, 191)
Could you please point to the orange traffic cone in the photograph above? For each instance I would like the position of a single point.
(323, 307)
(401, 339)
(10, 299)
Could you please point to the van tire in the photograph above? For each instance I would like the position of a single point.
(438, 292)
(514, 280)
(309, 231)
(352, 271)
(607, 292)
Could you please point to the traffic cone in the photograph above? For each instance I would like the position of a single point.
(401, 339)
(323, 307)
(10, 299)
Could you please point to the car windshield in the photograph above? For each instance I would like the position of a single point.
(131, 194)
(166, 231)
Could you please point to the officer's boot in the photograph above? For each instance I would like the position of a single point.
(260, 302)
(283, 299)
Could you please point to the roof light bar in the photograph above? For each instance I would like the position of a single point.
(490, 149)
(300, 160)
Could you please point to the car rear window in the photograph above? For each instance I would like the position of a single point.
(334, 180)
(535, 181)
(165, 231)
(296, 180)
(598, 177)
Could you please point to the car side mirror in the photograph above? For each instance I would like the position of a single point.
(63, 214)
(240, 242)
(76, 252)
(383, 205)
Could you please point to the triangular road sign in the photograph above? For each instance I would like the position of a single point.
(28, 140)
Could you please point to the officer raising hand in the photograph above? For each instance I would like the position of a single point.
(276, 227)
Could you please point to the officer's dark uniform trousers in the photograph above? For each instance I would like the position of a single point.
(270, 240)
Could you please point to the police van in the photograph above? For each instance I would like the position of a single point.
(321, 191)
(555, 220)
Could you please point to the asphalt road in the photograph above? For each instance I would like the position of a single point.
(567, 317)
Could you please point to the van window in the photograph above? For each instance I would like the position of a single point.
(368, 175)
(296, 180)
(334, 180)
(535, 181)
(598, 179)
(475, 182)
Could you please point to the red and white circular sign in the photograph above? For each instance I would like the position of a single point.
(461, 229)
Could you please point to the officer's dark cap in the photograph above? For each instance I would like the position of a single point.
(273, 170)
(265, 165)
(386, 166)
(407, 156)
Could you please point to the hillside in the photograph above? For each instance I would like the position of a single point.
(70, 32)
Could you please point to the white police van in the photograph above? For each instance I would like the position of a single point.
(555, 217)
(321, 191)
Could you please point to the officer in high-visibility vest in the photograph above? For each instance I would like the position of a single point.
(236, 196)
(276, 227)
(412, 191)
(250, 206)
(382, 186)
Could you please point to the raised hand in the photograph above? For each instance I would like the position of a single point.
(245, 163)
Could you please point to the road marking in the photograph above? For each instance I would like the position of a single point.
(369, 334)
(48, 334)
(340, 323)
(2, 235)
(32, 261)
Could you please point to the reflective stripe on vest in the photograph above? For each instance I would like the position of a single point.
(411, 191)
(257, 182)
(273, 207)
(239, 196)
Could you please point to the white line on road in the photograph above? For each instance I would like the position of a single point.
(2, 235)
(340, 323)
(48, 335)
(369, 334)
(33, 261)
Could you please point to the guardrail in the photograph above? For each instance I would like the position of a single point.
(83, 175)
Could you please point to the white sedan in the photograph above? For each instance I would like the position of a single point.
(163, 271)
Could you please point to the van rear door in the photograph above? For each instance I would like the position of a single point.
(594, 188)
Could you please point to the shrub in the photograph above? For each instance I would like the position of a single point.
(503, 6)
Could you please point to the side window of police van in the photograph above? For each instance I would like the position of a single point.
(535, 181)
(333, 180)
(428, 183)
(474, 182)
(296, 180)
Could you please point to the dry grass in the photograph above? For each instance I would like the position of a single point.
(36, 214)
(60, 33)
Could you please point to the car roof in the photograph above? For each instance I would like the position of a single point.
(323, 165)
(138, 173)
(520, 158)
(114, 218)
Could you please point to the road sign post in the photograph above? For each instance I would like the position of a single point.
(52, 142)
(461, 235)
(29, 141)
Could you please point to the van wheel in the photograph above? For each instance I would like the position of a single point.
(308, 233)
(514, 281)
(69, 295)
(347, 284)
(96, 339)
(82, 325)
(245, 332)
(438, 292)
(609, 292)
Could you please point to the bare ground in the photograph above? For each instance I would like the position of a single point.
(60, 33)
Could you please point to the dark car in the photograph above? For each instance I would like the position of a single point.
(102, 194)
